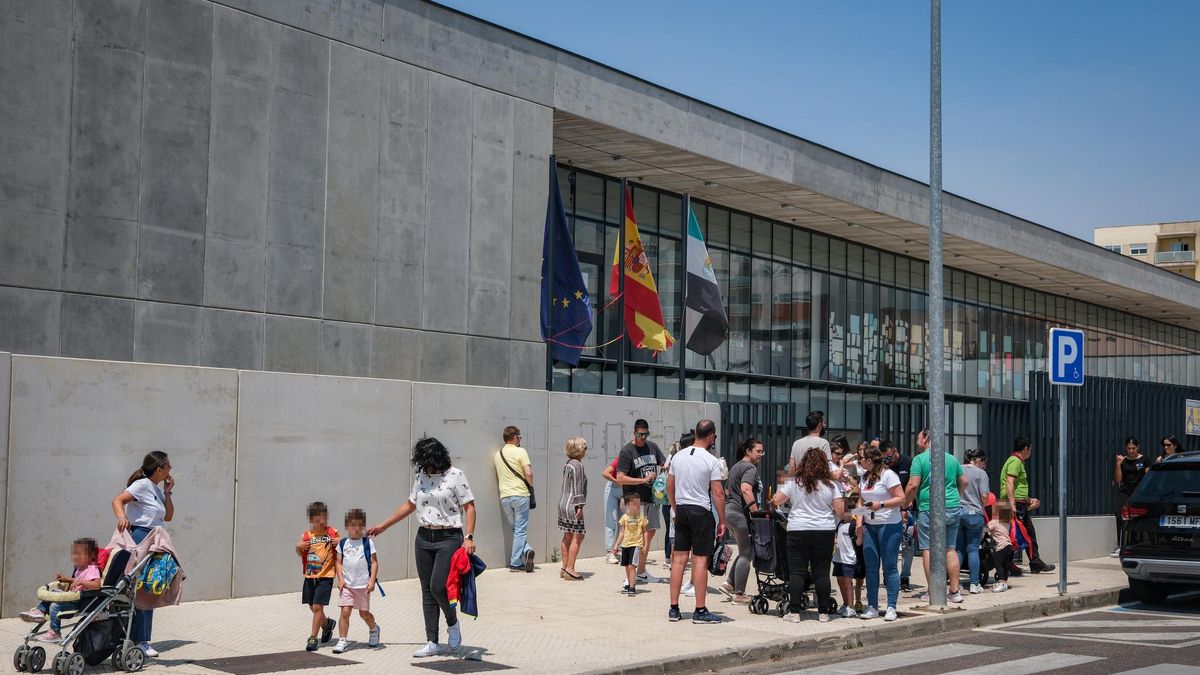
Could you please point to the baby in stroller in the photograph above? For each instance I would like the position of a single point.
(86, 576)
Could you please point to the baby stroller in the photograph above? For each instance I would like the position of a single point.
(768, 535)
(101, 627)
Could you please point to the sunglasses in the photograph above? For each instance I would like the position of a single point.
(642, 434)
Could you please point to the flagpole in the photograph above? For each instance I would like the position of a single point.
(550, 273)
(687, 210)
(621, 291)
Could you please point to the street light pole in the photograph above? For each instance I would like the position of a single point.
(934, 374)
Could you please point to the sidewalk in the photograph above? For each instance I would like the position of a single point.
(536, 623)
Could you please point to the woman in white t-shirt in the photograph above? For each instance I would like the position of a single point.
(882, 496)
(139, 508)
(445, 507)
(816, 509)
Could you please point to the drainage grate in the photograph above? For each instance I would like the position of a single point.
(462, 666)
(270, 663)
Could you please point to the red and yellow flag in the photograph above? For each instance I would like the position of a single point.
(643, 311)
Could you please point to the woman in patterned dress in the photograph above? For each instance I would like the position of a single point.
(570, 506)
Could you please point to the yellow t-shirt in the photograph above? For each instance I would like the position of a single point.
(635, 529)
(510, 485)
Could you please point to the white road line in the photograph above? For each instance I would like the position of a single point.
(1034, 664)
(1141, 637)
(909, 658)
(1127, 623)
(1163, 669)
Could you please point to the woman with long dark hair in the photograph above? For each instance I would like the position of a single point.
(816, 509)
(1130, 470)
(741, 499)
(883, 497)
(1170, 446)
(445, 507)
(139, 508)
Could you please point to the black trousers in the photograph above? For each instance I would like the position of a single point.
(1027, 520)
(433, 551)
(1003, 559)
(809, 556)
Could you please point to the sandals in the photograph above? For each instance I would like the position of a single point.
(569, 576)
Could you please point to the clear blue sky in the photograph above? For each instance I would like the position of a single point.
(1072, 113)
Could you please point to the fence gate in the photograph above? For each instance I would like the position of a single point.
(896, 422)
(771, 423)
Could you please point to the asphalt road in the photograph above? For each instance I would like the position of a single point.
(1131, 639)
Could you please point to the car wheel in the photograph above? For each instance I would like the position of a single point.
(1149, 591)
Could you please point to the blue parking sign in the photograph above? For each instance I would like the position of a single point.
(1066, 356)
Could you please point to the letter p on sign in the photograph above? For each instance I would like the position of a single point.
(1066, 356)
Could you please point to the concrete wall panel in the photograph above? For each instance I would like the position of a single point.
(235, 262)
(96, 328)
(345, 349)
(443, 358)
(293, 344)
(491, 215)
(296, 211)
(487, 361)
(231, 339)
(1089, 537)
(5, 401)
(533, 129)
(164, 333)
(404, 133)
(35, 59)
(81, 427)
(175, 131)
(305, 438)
(448, 235)
(396, 353)
(354, 21)
(470, 422)
(105, 166)
(32, 320)
(526, 364)
(352, 202)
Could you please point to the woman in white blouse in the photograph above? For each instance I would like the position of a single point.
(445, 507)
(139, 508)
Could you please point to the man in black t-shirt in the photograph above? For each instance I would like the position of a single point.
(637, 466)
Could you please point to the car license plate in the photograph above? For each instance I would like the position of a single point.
(1192, 522)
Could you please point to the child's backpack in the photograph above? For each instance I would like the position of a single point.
(367, 553)
(718, 562)
(659, 489)
(157, 575)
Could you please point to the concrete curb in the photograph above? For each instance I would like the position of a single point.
(922, 626)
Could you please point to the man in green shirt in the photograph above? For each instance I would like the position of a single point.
(1014, 488)
(919, 485)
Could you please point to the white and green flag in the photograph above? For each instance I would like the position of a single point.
(707, 323)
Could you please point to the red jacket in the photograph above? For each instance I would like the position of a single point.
(460, 582)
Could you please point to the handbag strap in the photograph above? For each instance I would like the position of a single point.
(516, 473)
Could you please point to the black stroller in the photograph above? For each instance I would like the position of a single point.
(768, 533)
(101, 628)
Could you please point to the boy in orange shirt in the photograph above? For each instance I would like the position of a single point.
(318, 554)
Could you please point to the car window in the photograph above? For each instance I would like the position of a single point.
(1174, 484)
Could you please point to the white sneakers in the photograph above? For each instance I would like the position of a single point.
(890, 615)
(430, 649)
(341, 646)
(146, 647)
(688, 590)
(847, 612)
(976, 589)
(455, 633)
(999, 587)
(373, 640)
(870, 613)
(1116, 553)
(647, 578)
(612, 559)
(824, 618)
(955, 597)
(793, 617)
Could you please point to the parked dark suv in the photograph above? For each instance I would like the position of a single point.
(1161, 545)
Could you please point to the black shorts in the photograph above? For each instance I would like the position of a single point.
(627, 553)
(317, 591)
(845, 570)
(694, 530)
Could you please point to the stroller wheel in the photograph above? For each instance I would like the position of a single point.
(60, 663)
(76, 665)
(116, 659)
(37, 659)
(21, 659)
(134, 659)
(759, 605)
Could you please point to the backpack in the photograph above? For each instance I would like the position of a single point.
(659, 489)
(158, 574)
(367, 553)
(718, 562)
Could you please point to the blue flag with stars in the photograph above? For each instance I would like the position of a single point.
(566, 305)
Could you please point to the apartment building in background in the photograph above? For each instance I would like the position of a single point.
(1171, 246)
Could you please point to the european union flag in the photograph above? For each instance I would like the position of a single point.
(566, 305)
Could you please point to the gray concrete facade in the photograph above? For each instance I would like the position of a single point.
(256, 185)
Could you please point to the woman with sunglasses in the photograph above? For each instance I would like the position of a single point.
(1170, 446)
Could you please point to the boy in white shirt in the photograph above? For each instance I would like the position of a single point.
(356, 578)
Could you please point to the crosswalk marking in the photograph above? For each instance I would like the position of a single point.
(1141, 637)
(1163, 669)
(909, 658)
(1126, 623)
(1033, 664)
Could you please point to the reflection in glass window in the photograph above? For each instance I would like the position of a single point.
(782, 325)
(802, 318)
(820, 327)
(740, 288)
(760, 316)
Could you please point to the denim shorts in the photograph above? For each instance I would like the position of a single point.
(953, 518)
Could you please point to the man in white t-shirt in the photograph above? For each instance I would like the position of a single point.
(694, 488)
(815, 422)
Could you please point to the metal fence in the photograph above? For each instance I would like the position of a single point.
(771, 423)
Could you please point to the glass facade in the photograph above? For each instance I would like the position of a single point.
(831, 324)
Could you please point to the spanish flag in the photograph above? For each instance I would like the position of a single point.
(643, 312)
